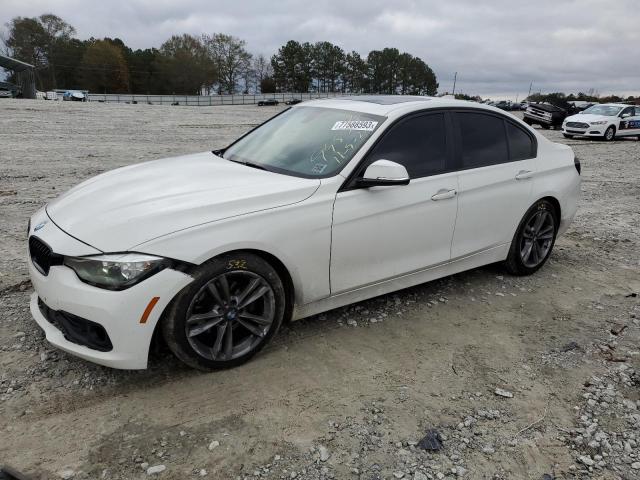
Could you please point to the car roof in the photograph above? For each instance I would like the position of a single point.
(384, 105)
(621, 105)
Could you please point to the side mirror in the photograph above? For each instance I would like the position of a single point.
(383, 173)
(625, 115)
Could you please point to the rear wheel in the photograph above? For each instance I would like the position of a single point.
(534, 239)
(610, 133)
(230, 311)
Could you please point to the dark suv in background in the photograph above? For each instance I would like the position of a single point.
(545, 115)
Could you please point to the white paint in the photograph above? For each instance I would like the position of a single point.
(338, 246)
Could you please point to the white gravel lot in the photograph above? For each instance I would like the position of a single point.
(350, 393)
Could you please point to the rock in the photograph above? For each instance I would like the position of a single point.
(635, 465)
(203, 472)
(156, 469)
(420, 476)
(324, 453)
(398, 474)
(569, 346)
(213, 445)
(431, 442)
(586, 460)
(617, 329)
(66, 474)
(503, 393)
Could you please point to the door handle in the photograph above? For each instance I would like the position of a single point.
(444, 194)
(524, 174)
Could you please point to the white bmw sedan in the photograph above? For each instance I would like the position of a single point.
(328, 203)
(607, 121)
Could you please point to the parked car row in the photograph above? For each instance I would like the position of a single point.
(273, 102)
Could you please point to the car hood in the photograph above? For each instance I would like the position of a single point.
(588, 118)
(120, 209)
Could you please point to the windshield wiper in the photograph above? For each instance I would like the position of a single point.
(249, 164)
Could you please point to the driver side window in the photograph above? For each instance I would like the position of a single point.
(629, 111)
(419, 143)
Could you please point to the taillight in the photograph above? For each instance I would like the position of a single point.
(576, 162)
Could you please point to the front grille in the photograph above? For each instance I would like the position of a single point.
(577, 125)
(540, 113)
(76, 329)
(41, 255)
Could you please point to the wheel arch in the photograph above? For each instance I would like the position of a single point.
(556, 205)
(283, 273)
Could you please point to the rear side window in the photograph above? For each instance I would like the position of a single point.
(419, 143)
(521, 145)
(482, 140)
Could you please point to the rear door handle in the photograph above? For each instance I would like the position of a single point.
(524, 174)
(444, 194)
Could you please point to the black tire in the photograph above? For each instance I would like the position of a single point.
(228, 320)
(545, 126)
(609, 134)
(566, 135)
(519, 261)
(527, 121)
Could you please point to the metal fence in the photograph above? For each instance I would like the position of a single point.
(204, 100)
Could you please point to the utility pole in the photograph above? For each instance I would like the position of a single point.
(530, 87)
(455, 77)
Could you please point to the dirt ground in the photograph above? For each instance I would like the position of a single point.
(350, 393)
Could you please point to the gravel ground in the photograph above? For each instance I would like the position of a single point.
(508, 378)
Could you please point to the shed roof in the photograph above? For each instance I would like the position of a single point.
(13, 64)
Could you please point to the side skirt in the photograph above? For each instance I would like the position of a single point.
(492, 255)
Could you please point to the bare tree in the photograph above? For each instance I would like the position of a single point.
(262, 69)
(230, 57)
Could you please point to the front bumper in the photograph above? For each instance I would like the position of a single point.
(119, 313)
(538, 119)
(595, 131)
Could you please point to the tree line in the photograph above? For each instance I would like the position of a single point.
(210, 63)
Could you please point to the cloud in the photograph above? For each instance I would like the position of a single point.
(498, 47)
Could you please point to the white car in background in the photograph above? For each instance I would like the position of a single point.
(607, 121)
(328, 203)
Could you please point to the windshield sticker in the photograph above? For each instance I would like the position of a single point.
(364, 125)
(319, 168)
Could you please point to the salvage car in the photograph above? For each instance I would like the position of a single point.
(268, 102)
(74, 96)
(328, 203)
(606, 121)
(544, 114)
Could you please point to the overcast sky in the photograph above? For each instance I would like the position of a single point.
(498, 47)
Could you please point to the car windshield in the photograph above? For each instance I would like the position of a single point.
(311, 142)
(608, 110)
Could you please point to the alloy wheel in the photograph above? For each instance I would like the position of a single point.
(609, 134)
(230, 315)
(537, 238)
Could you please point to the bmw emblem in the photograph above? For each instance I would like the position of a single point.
(39, 226)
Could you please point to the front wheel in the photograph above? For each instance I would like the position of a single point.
(534, 239)
(610, 133)
(230, 311)
(566, 135)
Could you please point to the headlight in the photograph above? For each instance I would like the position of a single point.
(601, 122)
(116, 271)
